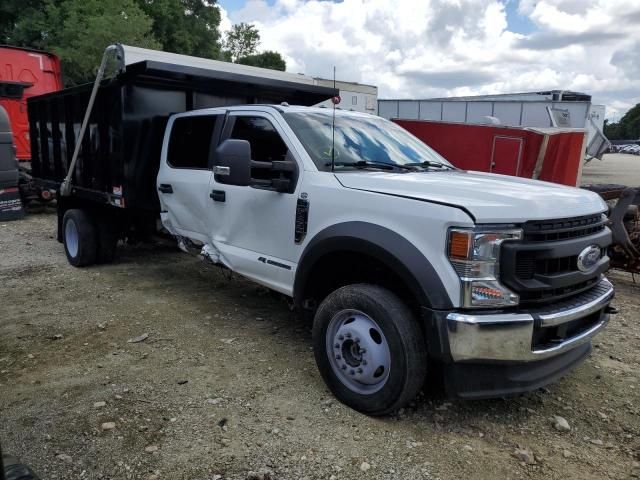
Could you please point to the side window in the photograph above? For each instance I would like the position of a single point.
(272, 166)
(190, 141)
(266, 143)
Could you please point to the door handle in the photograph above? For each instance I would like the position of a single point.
(218, 195)
(165, 188)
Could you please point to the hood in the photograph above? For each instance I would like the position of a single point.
(490, 198)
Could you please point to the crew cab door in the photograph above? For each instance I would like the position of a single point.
(185, 174)
(253, 226)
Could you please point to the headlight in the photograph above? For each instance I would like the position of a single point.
(475, 256)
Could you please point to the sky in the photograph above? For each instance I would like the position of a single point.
(438, 48)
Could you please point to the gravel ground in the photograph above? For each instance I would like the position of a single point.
(620, 168)
(224, 384)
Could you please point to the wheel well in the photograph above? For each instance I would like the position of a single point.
(337, 269)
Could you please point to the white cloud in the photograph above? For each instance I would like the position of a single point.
(427, 48)
(225, 22)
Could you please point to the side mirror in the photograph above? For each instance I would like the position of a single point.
(233, 162)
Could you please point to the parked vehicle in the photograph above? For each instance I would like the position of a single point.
(10, 204)
(8, 162)
(404, 261)
(25, 73)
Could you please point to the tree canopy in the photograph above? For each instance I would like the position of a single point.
(242, 40)
(267, 59)
(241, 46)
(189, 27)
(79, 30)
(628, 128)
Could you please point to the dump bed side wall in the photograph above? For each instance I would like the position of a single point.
(120, 154)
(55, 121)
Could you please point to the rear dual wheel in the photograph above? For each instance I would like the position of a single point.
(369, 349)
(79, 237)
(87, 241)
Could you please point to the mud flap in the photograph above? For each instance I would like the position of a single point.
(10, 204)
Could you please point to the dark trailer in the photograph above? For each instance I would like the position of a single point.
(120, 151)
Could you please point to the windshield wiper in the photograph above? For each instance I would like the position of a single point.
(368, 164)
(429, 163)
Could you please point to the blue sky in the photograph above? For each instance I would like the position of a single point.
(516, 22)
(233, 5)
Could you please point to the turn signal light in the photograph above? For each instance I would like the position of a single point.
(459, 244)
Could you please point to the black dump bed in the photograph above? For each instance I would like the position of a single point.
(120, 153)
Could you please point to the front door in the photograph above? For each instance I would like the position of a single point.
(185, 175)
(252, 227)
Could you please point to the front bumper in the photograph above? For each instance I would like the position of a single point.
(532, 335)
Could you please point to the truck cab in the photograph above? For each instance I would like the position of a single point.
(405, 262)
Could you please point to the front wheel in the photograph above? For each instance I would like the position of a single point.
(369, 349)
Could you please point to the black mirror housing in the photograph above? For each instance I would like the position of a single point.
(236, 156)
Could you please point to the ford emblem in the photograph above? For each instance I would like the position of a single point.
(588, 258)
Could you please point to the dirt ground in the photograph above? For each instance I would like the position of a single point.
(620, 168)
(225, 384)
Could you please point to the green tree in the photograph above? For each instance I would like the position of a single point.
(242, 40)
(189, 27)
(611, 130)
(628, 128)
(267, 59)
(12, 11)
(79, 30)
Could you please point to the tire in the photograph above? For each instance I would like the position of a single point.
(369, 349)
(14, 470)
(79, 235)
(107, 240)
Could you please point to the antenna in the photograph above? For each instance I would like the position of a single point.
(333, 125)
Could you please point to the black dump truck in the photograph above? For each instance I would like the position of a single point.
(119, 157)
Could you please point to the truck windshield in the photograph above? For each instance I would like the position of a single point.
(361, 142)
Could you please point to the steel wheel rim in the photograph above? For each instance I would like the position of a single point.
(71, 237)
(358, 351)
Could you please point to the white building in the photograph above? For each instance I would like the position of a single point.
(354, 96)
(560, 108)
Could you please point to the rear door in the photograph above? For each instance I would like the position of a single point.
(185, 174)
(506, 155)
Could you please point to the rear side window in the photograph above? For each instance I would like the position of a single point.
(190, 141)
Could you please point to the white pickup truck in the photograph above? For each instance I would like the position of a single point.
(406, 263)
(404, 259)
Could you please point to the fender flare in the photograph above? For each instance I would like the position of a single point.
(383, 244)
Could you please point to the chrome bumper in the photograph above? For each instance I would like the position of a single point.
(509, 336)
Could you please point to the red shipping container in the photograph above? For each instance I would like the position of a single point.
(25, 73)
(552, 154)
